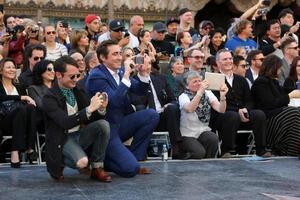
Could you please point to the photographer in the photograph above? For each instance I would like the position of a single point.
(32, 32)
(16, 45)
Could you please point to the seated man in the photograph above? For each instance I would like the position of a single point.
(239, 111)
(161, 98)
(109, 77)
(67, 109)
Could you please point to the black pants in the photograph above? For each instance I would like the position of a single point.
(229, 123)
(169, 121)
(21, 125)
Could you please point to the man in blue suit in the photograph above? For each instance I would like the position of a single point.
(109, 77)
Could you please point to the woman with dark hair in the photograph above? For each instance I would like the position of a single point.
(293, 81)
(145, 46)
(43, 77)
(19, 122)
(216, 41)
(283, 126)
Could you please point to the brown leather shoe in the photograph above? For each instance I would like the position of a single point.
(144, 170)
(86, 171)
(100, 175)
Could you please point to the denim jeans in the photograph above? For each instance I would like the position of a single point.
(95, 135)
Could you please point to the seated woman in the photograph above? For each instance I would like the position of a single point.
(175, 77)
(20, 122)
(43, 77)
(293, 81)
(195, 105)
(283, 126)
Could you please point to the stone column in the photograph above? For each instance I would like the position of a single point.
(110, 10)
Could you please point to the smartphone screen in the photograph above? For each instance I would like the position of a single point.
(139, 60)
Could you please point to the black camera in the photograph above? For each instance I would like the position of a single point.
(263, 11)
(126, 34)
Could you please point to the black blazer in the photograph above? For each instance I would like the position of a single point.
(5, 97)
(289, 85)
(249, 75)
(163, 91)
(58, 123)
(269, 96)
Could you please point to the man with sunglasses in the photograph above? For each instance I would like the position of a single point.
(205, 27)
(109, 77)
(33, 54)
(255, 58)
(116, 29)
(74, 123)
(290, 50)
(239, 65)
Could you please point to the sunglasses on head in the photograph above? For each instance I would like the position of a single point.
(38, 58)
(50, 69)
(51, 32)
(75, 76)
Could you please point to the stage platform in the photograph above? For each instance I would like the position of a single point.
(232, 179)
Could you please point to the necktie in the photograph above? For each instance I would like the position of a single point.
(69, 95)
(117, 78)
(150, 97)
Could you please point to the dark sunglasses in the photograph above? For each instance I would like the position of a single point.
(293, 48)
(243, 66)
(49, 32)
(50, 69)
(261, 59)
(38, 58)
(118, 30)
(75, 76)
(197, 57)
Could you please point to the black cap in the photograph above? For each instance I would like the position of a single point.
(172, 20)
(116, 25)
(184, 10)
(159, 27)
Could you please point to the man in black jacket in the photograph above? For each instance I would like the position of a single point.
(161, 98)
(239, 112)
(72, 124)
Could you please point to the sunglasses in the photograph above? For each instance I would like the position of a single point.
(118, 30)
(38, 58)
(261, 59)
(50, 69)
(244, 66)
(51, 32)
(75, 76)
(296, 48)
(197, 57)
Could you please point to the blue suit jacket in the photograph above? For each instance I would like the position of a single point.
(101, 80)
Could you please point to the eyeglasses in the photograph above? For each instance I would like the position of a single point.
(197, 57)
(38, 58)
(75, 76)
(50, 69)
(51, 32)
(244, 66)
(261, 59)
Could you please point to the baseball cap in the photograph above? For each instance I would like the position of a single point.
(116, 25)
(205, 23)
(172, 20)
(89, 18)
(159, 27)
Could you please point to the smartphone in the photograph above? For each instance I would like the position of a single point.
(139, 60)
(126, 34)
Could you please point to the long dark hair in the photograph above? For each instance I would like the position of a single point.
(38, 69)
(270, 66)
(293, 71)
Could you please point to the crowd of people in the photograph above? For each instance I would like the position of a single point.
(98, 93)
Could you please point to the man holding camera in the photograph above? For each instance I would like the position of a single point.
(116, 29)
(109, 77)
(239, 111)
(74, 124)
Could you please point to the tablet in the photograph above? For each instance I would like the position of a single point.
(215, 80)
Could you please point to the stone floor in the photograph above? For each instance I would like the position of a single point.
(205, 179)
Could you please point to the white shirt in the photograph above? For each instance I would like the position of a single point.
(104, 37)
(190, 125)
(229, 79)
(117, 77)
(13, 92)
(158, 106)
(59, 51)
(71, 111)
(133, 42)
(254, 74)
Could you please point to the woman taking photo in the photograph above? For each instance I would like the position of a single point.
(20, 121)
(145, 44)
(195, 105)
(283, 126)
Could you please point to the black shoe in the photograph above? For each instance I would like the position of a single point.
(182, 156)
(32, 156)
(15, 165)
